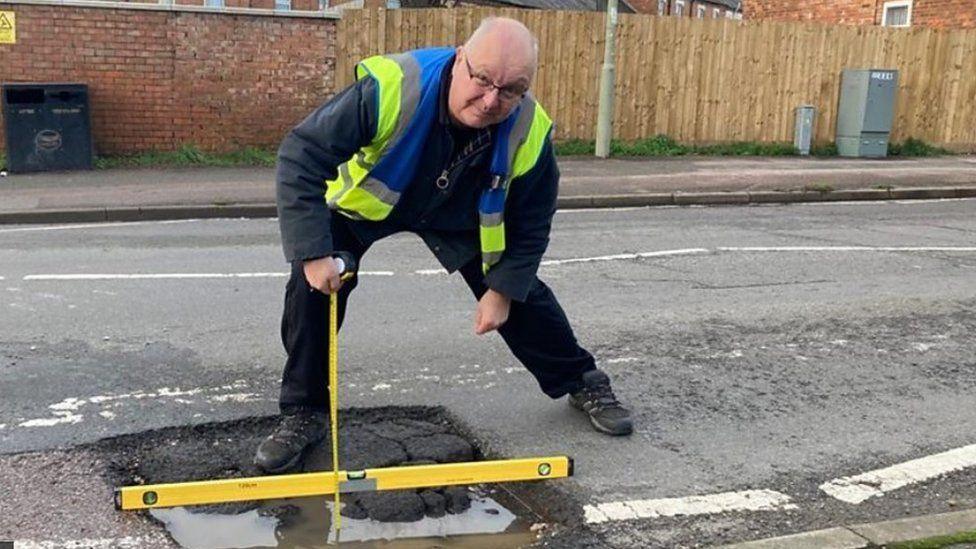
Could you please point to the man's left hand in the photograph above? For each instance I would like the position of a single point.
(492, 312)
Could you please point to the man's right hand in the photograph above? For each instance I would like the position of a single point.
(323, 274)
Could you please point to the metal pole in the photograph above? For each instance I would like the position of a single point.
(604, 123)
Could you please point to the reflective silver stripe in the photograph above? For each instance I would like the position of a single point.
(380, 191)
(346, 184)
(491, 220)
(361, 161)
(490, 258)
(520, 130)
(349, 213)
(410, 89)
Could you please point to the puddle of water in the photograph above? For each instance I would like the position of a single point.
(306, 524)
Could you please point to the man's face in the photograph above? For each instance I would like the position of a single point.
(485, 88)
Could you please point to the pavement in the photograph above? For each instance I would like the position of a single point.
(877, 534)
(152, 194)
(146, 194)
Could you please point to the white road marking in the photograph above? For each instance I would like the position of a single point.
(236, 397)
(151, 276)
(748, 500)
(849, 249)
(63, 411)
(96, 226)
(157, 276)
(127, 542)
(61, 416)
(623, 359)
(546, 263)
(600, 210)
(662, 253)
(911, 202)
(924, 200)
(875, 483)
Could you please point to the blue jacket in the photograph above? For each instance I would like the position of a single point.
(447, 220)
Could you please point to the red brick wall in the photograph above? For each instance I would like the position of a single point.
(925, 13)
(299, 5)
(852, 12)
(944, 14)
(161, 79)
(644, 6)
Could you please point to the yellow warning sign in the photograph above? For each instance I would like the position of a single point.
(8, 27)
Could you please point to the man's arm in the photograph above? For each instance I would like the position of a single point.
(309, 155)
(529, 208)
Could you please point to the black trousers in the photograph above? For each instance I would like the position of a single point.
(537, 332)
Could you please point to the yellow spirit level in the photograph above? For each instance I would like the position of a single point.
(337, 482)
(323, 484)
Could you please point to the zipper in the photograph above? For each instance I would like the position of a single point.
(444, 180)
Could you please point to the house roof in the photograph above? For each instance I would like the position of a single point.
(574, 5)
(598, 5)
(731, 4)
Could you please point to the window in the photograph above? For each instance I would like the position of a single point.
(729, 14)
(716, 13)
(662, 7)
(897, 14)
(700, 12)
(679, 8)
(214, 3)
(282, 5)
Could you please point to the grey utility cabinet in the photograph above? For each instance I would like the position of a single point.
(866, 111)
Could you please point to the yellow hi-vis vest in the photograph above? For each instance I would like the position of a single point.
(369, 184)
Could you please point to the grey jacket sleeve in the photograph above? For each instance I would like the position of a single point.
(529, 208)
(311, 154)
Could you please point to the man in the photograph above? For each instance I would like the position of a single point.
(448, 144)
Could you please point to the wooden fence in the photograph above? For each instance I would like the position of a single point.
(705, 81)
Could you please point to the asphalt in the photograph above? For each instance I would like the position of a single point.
(151, 193)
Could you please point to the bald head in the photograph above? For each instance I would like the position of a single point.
(492, 72)
(507, 39)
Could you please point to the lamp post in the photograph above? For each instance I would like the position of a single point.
(604, 123)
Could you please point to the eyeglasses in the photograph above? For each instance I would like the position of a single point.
(506, 93)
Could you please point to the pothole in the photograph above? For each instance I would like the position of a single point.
(458, 516)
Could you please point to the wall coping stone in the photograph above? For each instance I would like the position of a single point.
(109, 4)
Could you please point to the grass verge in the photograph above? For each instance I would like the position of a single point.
(189, 155)
(663, 145)
(936, 542)
(658, 146)
(915, 147)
